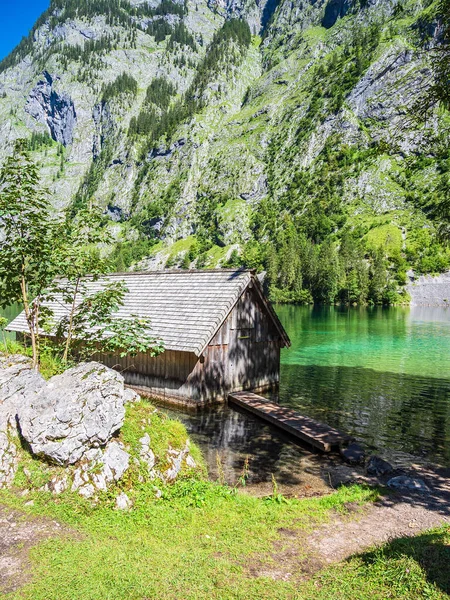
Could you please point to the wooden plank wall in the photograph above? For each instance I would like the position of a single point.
(243, 355)
(166, 375)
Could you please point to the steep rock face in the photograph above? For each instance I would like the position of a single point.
(104, 127)
(256, 12)
(334, 10)
(260, 124)
(429, 290)
(57, 111)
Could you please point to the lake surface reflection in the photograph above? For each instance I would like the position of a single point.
(382, 375)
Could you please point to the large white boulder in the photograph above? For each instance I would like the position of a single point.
(74, 412)
(17, 379)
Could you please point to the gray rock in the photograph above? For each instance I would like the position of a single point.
(116, 461)
(123, 502)
(176, 458)
(99, 469)
(147, 453)
(87, 491)
(377, 466)
(190, 462)
(57, 111)
(408, 483)
(58, 485)
(75, 411)
(16, 378)
(131, 396)
(353, 454)
(8, 459)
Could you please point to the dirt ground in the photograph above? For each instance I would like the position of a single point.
(296, 554)
(19, 533)
(395, 515)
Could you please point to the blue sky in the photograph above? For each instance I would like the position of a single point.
(17, 18)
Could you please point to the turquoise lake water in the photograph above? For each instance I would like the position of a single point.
(382, 375)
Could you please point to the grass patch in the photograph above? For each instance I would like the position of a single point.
(195, 542)
(407, 568)
(200, 539)
(51, 363)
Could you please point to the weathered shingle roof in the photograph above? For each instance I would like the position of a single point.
(186, 308)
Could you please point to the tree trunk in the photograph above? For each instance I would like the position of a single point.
(31, 325)
(69, 329)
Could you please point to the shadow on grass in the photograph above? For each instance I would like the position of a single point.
(431, 551)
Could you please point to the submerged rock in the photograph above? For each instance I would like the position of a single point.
(408, 483)
(75, 411)
(353, 454)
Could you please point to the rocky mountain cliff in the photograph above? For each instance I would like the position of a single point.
(209, 128)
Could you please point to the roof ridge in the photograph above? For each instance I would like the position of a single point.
(176, 272)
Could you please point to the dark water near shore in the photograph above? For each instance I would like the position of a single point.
(381, 375)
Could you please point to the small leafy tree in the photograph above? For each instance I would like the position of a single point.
(91, 325)
(76, 257)
(26, 266)
(44, 260)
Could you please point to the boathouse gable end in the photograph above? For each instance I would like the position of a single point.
(219, 331)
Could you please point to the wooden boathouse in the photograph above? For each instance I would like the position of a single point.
(220, 334)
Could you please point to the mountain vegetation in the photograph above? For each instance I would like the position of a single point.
(306, 139)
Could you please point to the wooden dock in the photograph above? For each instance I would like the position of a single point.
(308, 430)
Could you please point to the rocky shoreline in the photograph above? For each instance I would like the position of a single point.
(72, 425)
(429, 290)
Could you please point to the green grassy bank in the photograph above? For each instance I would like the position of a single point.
(202, 540)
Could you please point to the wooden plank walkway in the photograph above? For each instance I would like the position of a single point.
(308, 430)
